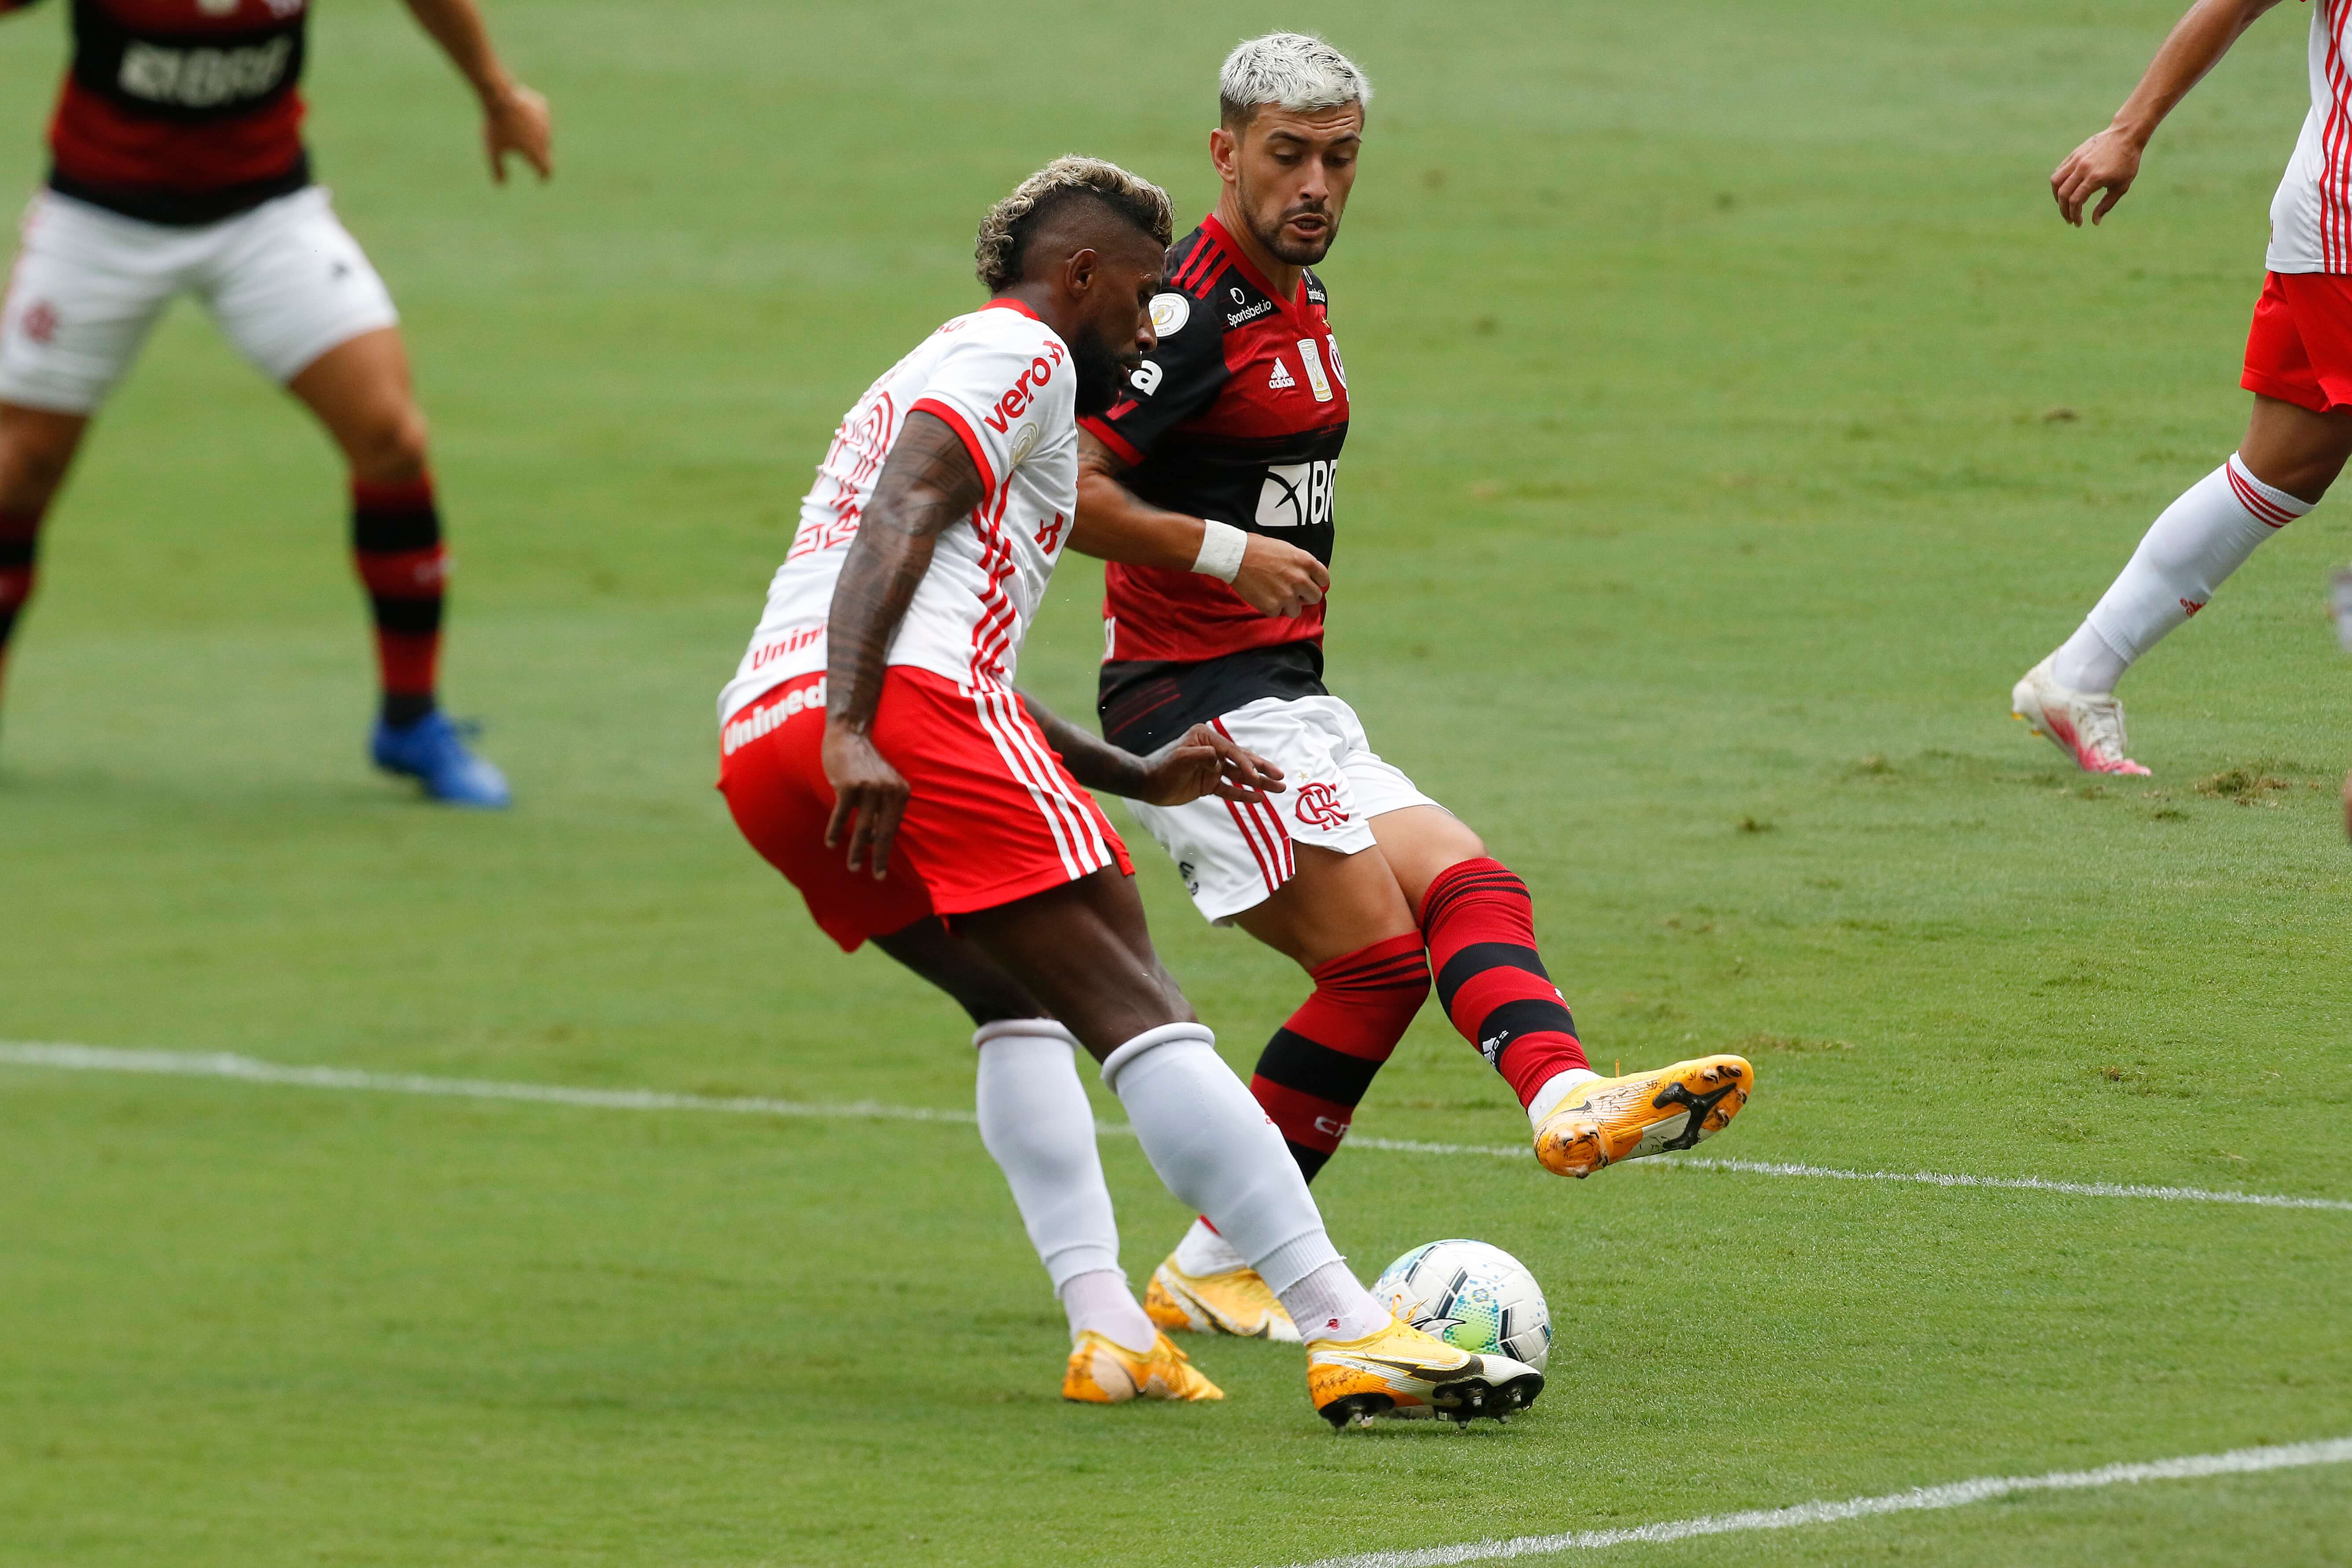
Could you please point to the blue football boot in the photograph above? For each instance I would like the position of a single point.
(433, 750)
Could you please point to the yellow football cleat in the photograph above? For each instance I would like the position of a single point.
(1104, 1372)
(1237, 1302)
(1402, 1370)
(1604, 1121)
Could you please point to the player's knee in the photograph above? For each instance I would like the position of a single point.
(392, 448)
(33, 463)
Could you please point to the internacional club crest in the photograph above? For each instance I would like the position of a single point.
(1319, 806)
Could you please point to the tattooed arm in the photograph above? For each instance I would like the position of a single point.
(929, 483)
(1199, 762)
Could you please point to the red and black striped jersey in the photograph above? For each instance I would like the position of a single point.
(1237, 416)
(180, 111)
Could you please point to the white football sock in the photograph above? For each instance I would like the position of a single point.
(1217, 1149)
(1204, 1251)
(1040, 1130)
(1100, 1300)
(1555, 1089)
(1328, 1304)
(2186, 554)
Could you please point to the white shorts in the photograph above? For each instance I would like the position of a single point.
(1232, 858)
(284, 281)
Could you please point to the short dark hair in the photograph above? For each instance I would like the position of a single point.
(1000, 253)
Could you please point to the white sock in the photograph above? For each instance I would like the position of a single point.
(1099, 1300)
(2085, 662)
(1040, 1130)
(1218, 1151)
(1204, 1251)
(1555, 1089)
(1328, 1304)
(2186, 554)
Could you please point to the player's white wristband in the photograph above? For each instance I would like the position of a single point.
(1222, 547)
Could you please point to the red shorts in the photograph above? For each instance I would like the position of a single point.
(993, 817)
(2300, 348)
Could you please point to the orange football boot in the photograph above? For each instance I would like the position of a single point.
(1604, 1121)
(1104, 1372)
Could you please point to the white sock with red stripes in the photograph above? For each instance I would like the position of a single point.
(2186, 554)
(1039, 1127)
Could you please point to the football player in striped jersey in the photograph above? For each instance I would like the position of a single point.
(1211, 487)
(178, 167)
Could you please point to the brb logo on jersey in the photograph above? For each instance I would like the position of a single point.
(205, 79)
(1319, 806)
(1298, 495)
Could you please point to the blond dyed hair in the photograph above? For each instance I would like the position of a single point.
(1006, 232)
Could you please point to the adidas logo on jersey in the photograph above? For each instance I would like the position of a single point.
(1281, 376)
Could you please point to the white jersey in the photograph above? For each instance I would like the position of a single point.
(1004, 381)
(2311, 217)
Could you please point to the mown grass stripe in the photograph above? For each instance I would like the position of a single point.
(251, 1070)
(1956, 1494)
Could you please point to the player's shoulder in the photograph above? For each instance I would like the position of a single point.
(1000, 323)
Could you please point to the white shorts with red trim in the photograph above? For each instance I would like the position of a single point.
(1232, 858)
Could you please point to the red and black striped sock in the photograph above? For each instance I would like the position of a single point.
(1315, 1070)
(1479, 921)
(396, 538)
(20, 538)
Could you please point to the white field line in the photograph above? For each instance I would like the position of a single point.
(1956, 1494)
(249, 1069)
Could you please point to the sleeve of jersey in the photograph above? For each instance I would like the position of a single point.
(1177, 381)
(998, 389)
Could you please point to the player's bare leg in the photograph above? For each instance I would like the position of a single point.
(2289, 458)
(360, 392)
(1039, 1126)
(36, 448)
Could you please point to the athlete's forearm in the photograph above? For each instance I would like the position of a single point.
(457, 26)
(1113, 523)
(1092, 761)
(929, 483)
(2195, 45)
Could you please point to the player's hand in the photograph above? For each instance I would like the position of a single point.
(869, 798)
(2108, 162)
(1279, 579)
(1202, 762)
(516, 120)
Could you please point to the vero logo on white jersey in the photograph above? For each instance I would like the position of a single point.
(1298, 495)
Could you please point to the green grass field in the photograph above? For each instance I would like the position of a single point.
(1737, 420)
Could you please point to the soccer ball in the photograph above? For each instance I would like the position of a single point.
(1471, 1295)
